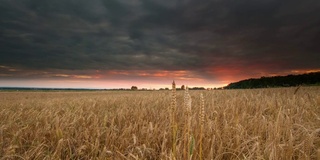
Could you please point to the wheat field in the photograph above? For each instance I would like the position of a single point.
(279, 123)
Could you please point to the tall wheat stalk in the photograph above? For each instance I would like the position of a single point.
(172, 119)
(201, 121)
(187, 104)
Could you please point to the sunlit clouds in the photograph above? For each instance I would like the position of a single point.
(150, 79)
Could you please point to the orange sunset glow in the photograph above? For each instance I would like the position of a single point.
(113, 79)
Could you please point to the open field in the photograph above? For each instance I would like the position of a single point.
(237, 124)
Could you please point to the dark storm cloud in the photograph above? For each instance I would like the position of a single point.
(160, 34)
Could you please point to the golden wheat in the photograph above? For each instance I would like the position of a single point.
(201, 122)
(239, 124)
(172, 120)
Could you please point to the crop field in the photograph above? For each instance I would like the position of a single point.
(278, 123)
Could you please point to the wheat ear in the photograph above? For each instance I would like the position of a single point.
(172, 119)
(187, 104)
(201, 121)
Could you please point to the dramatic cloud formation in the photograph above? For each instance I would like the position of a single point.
(150, 42)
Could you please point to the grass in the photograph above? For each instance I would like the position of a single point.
(237, 124)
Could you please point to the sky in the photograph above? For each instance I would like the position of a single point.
(149, 43)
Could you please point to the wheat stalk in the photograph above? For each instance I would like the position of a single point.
(201, 121)
(172, 119)
(187, 104)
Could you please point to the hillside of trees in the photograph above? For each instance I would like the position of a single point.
(277, 81)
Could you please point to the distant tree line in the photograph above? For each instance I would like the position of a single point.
(277, 81)
(183, 87)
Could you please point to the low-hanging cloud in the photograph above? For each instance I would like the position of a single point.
(205, 37)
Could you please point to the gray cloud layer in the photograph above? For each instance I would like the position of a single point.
(264, 35)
